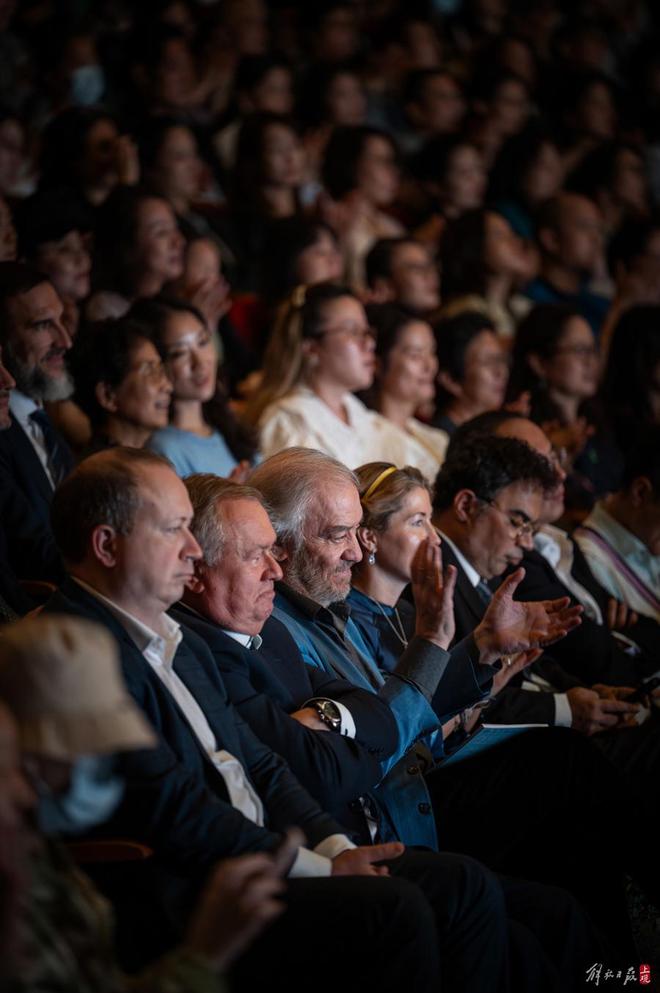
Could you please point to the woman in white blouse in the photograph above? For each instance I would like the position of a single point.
(322, 351)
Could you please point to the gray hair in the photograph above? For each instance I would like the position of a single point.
(206, 492)
(289, 482)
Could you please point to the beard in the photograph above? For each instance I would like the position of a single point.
(305, 574)
(37, 384)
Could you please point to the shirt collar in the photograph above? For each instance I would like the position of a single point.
(162, 644)
(315, 611)
(627, 544)
(253, 641)
(22, 406)
(473, 576)
(550, 542)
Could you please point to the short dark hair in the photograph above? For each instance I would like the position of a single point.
(102, 489)
(482, 426)
(453, 335)
(343, 153)
(643, 459)
(378, 261)
(488, 465)
(16, 278)
(48, 216)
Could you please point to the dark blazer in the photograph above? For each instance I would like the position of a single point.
(20, 463)
(268, 684)
(176, 800)
(27, 548)
(513, 705)
(589, 652)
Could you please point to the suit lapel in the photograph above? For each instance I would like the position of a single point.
(28, 462)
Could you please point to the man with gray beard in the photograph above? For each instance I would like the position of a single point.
(34, 458)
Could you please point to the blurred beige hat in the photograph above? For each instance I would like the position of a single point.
(61, 679)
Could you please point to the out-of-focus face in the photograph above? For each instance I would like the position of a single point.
(100, 153)
(339, 37)
(37, 344)
(343, 355)
(504, 252)
(510, 107)
(405, 531)
(493, 542)
(525, 430)
(414, 278)
(274, 93)
(12, 148)
(202, 262)
(321, 262)
(239, 590)
(442, 104)
(190, 357)
(574, 368)
(411, 365)
(545, 176)
(155, 560)
(158, 241)
(464, 183)
(7, 233)
(283, 157)
(178, 167)
(6, 386)
(176, 77)
(142, 399)
(67, 262)
(322, 567)
(596, 113)
(486, 373)
(579, 238)
(377, 172)
(346, 101)
(630, 181)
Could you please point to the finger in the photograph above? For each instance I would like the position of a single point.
(556, 606)
(449, 584)
(509, 585)
(619, 707)
(611, 613)
(388, 850)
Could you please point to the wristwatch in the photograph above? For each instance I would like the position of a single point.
(328, 713)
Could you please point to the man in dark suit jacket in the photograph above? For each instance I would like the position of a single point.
(211, 788)
(33, 456)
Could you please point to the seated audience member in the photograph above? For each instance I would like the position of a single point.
(473, 369)
(152, 251)
(59, 677)
(612, 644)
(329, 97)
(450, 171)
(52, 236)
(482, 263)
(281, 698)
(121, 384)
(321, 350)
(570, 238)
(210, 788)
(203, 435)
(589, 114)
(620, 539)
(406, 370)
(402, 271)
(555, 362)
(527, 172)
(434, 105)
(34, 458)
(501, 107)
(613, 175)
(298, 252)
(361, 176)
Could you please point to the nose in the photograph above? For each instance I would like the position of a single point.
(432, 535)
(61, 336)
(274, 569)
(353, 551)
(525, 541)
(191, 549)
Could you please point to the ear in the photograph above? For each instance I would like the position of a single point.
(368, 539)
(104, 545)
(381, 291)
(537, 365)
(547, 239)
(465, 503)
(310, 353)
(641, 491)
(449, 384)
(106, 397)
(196, 583)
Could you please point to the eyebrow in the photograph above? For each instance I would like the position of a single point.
(338, 528)
(520, 513)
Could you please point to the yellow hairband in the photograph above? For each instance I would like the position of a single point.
(377, 481)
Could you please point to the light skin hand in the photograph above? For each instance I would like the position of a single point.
(591, 713)
(360, 861)
(619, 616)
(510, 626)
(309, 717)
(433, 594)
(518, 662)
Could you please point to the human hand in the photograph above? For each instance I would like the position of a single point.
(433, 595)
(212, 298)
(619, 615)
(360, 861)
(521, 405)
(310, 718)
(592, 713)
(240, 901)
(512, 665)
(510, 626)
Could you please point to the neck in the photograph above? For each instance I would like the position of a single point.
(620, 509)
(280, 201)
(498, 289)
(332, 394)
(395, 409)
(568, 406)
(461, 410)
(453, 529)
(126, 434)
(560, 277)
(377, 585)
(188, 415)
(148, 285)
(108, 585)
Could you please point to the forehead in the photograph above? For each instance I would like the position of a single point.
(344, 309)
(336, 504)
(416, 334)
(410, 252)
(526, 431)
(246, 522)
(41, 299)
(181, 324)
(144, 350)
(416, 501)
(162, 492)
(521, 496)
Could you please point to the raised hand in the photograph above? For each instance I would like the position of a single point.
(510, 626)
(360, 861)
(434, 595)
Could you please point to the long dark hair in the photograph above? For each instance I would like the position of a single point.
(154, 314)
(633, 357)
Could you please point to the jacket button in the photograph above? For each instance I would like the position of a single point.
(412, 770)
(424, 808)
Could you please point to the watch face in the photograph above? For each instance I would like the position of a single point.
(329, 712)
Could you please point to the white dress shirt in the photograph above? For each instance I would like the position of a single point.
(159, 650)
(557, 549)
(531, 681)
(21, 406)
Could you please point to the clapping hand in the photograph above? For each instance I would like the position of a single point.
(433, 594)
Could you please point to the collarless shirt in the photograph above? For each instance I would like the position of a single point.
(21, 407)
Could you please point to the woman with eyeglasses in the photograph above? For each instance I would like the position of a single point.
(321, 352)
(556, 361)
